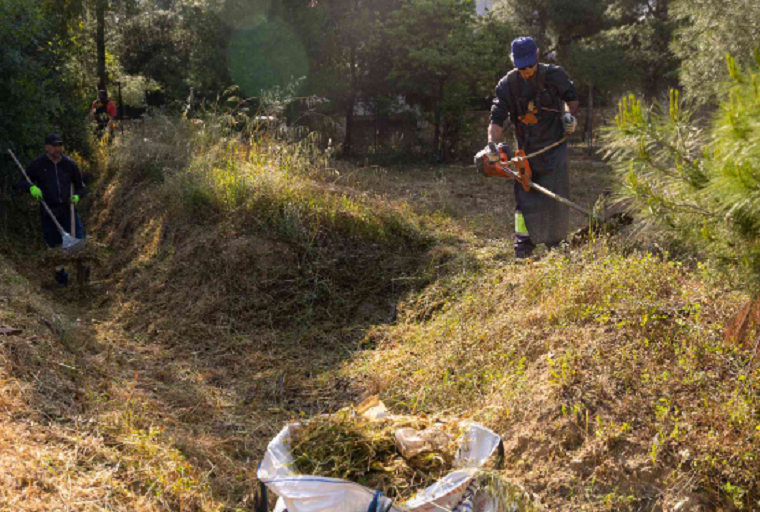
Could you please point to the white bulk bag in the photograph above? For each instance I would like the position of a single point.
(308, 493)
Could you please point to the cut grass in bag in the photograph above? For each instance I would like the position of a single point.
(347, 446)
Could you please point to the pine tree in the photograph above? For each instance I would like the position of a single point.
(701, 185)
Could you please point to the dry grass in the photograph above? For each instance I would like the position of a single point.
(606, 371)
(64, 443)
(238, 279)
(247, 286)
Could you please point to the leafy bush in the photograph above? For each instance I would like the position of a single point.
(701, 185)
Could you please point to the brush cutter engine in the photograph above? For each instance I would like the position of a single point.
(494, 161)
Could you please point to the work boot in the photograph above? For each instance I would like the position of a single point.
(523, 253)
(62, 277)
(523, 246)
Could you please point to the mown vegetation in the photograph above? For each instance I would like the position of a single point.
(604, 369)
(74, 434)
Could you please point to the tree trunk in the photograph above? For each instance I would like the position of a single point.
(438, 116)
(348, 140)
(100, 41)
(377, 131)
(590, 120)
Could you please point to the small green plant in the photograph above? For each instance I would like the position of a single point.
(654, 449)
(561, 369)
(610, 432)
(735, 493)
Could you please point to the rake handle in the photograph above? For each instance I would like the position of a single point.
(44, 204)
(73, 216)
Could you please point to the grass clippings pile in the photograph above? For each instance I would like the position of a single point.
(71, 436)
(346, 445)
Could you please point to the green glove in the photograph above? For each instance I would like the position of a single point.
(36, 192)
(75, 199)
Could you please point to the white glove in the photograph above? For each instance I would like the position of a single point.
(570, 123)
(492, 152)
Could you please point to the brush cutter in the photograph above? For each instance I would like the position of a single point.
(496, 161)
(71, 245)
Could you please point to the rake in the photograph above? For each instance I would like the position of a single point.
(71, 245)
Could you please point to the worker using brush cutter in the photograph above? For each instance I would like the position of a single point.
(541, 102)
(56, 180)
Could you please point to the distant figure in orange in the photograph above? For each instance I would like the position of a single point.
(104, 113)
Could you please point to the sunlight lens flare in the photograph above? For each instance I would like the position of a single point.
(271, 54)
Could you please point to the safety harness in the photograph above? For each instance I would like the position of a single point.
(524, 112)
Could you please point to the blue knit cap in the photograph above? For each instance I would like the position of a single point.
(524, 52)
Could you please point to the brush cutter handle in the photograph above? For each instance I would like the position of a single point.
(44, 204)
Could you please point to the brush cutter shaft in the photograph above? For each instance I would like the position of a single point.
(511, 173)
(564, 201)
(44, 204)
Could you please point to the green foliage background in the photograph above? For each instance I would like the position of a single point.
(708, 30)
(37, 96)
(382, 56)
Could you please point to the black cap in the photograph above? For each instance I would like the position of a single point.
(53, 139)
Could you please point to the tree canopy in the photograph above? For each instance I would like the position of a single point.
(432, 58)
(708, 30)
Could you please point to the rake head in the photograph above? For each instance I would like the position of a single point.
(72, 245)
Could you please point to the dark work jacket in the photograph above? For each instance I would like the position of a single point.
(549, 128)
(54, 180)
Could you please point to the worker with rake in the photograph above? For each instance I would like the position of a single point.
(541, 102)
(56, 180)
